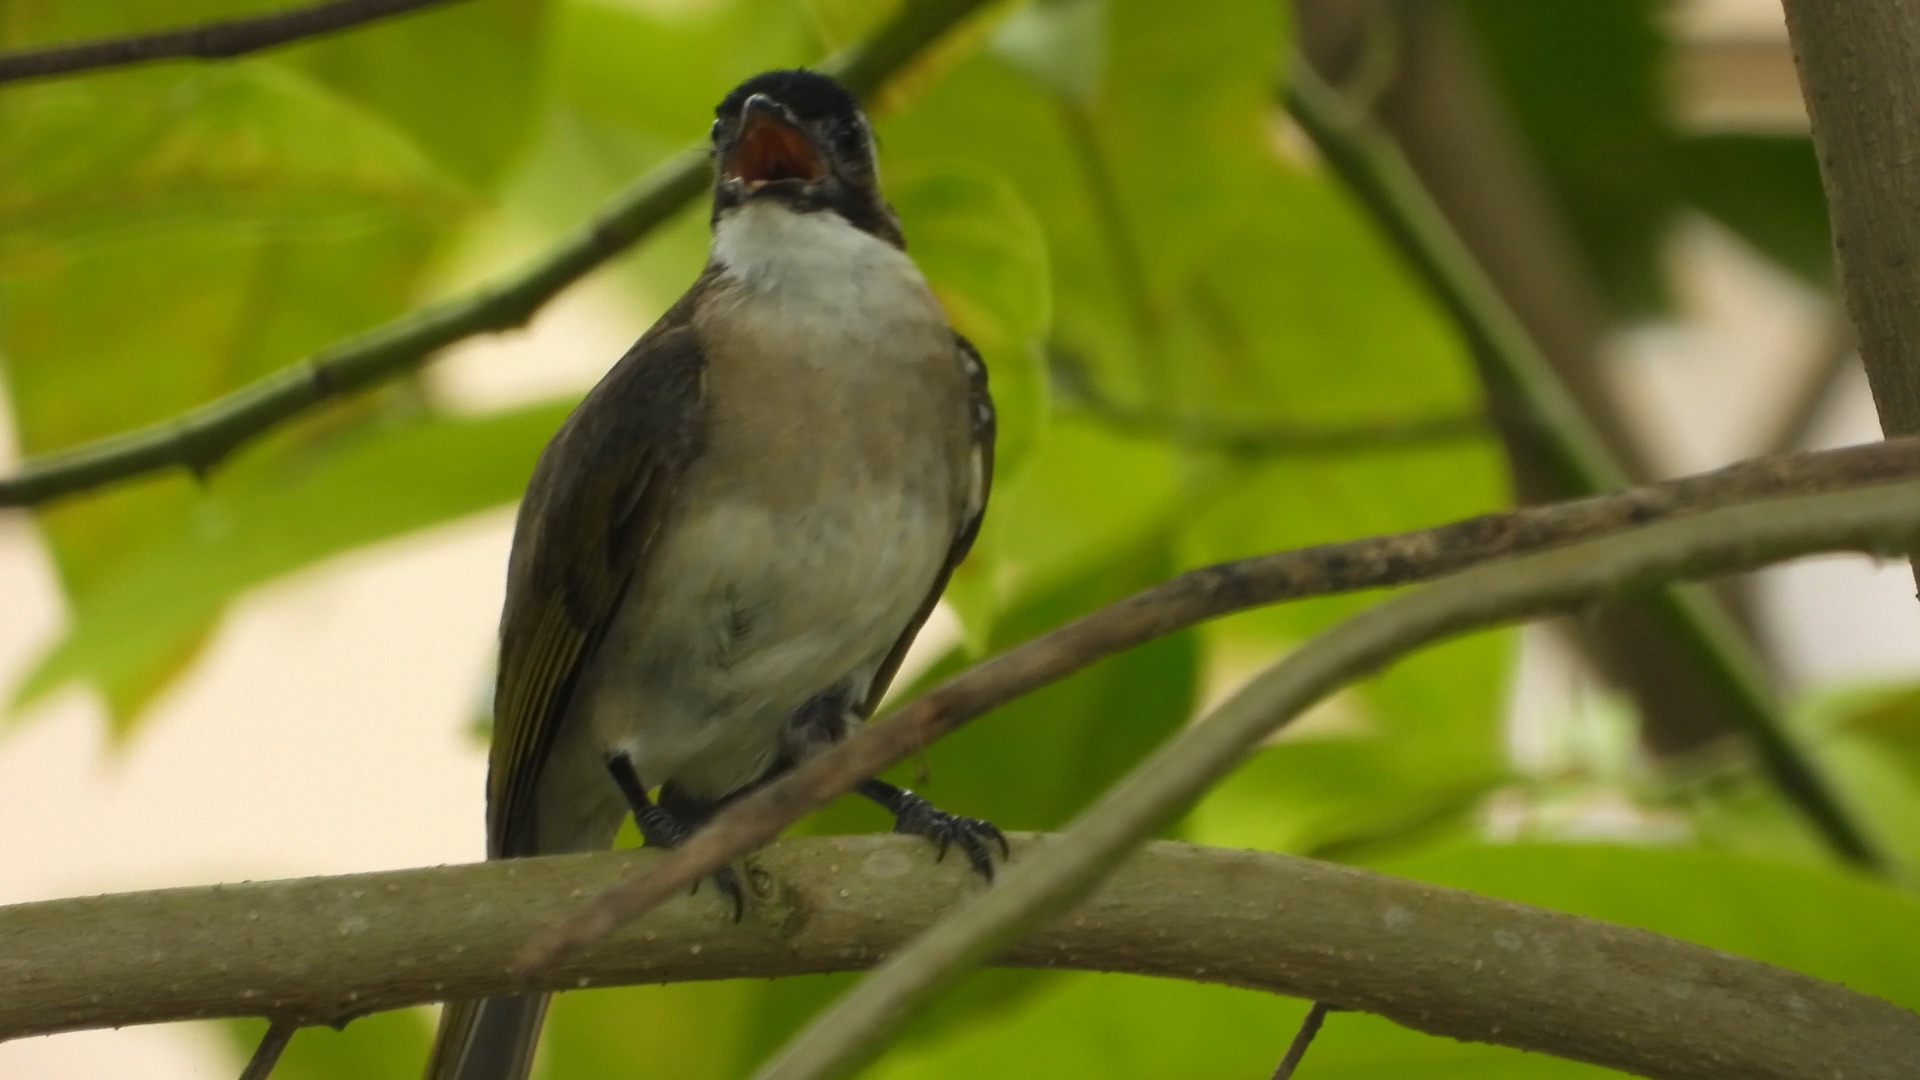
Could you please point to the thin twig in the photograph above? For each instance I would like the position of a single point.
(1883, 518)
(1573, 987)
(1309, 1027)
(1077, 389)
(1182, 602)
(207, 41)
(202, 437)
(1123, 252)
(267, 1054)
(1571, 449)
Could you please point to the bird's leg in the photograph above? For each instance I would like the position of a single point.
(914, 815)
(827, 719)
(662, 828)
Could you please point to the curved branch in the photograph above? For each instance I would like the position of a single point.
(1882, 518)
(1191, 598)
(1436, 959)
(208, 41)
(201, 437)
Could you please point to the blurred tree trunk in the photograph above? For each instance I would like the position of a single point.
(1858, 75)
(1448, 122)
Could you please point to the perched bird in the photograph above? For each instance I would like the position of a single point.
(726, 549)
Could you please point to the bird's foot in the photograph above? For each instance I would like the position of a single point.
(915, 816)
(662, 828)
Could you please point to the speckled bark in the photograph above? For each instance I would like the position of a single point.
(1432, 958)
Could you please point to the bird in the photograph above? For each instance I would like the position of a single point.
(727, 547)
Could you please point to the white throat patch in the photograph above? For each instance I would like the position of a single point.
(770, 248)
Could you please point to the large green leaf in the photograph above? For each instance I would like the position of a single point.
(176, 232)
(275, 513)
(461, 81)
(1830, 923)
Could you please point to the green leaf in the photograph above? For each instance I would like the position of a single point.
(1317, 795)
(986, 257)
(462, 81)
(1829, 923)
(176, 232)
(277, 512)
(688, 1031)
(1103, 1026)
(103, 167)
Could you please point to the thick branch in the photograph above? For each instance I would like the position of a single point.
(208, 41)
(1877, 519)
(1856, 72)
(1209, 593)
(201, 437)
(1435, 959)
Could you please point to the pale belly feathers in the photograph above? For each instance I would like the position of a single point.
(816, 519)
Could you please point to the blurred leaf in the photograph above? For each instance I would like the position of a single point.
(226, 154)
(1060, 44)
(687, 1031)
(178, 232)
(1100, 1026)
(380, 1044)
(1185, 119)
(1767, 189)
(1585, 84)
(1829, 923)
(986, 258)
(461, 81)
(1312, 794)
(275, 513)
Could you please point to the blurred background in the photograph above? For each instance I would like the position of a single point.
(1202, 347)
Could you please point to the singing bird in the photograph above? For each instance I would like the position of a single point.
(725, 551)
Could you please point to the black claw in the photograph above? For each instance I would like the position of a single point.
(918, 817)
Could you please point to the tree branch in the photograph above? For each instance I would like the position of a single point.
(1191, 598)
(208, 41)
(1880, 518)
(1458, 965)
(1077, 389)
(1436, 109)
(201, 437)
(1698, 630)
(1856, 72)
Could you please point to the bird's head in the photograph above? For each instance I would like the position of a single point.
(798, 138)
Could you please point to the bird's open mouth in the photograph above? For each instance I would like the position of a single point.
(769, 149)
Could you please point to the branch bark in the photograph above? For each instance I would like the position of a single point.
(1435, 959)
(208, 41)
(1856, 72)
(1217, 590)
(200, 438)
(1879, 518)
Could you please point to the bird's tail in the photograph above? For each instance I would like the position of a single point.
(489, 1039)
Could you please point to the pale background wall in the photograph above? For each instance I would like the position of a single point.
(257, 765)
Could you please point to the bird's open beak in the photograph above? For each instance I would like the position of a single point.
(771, 148)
